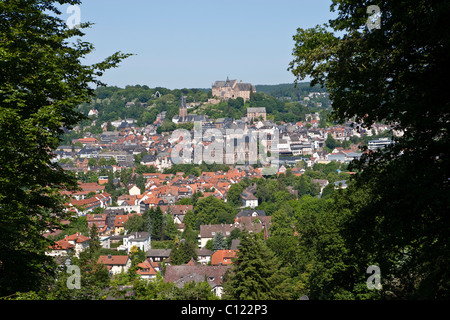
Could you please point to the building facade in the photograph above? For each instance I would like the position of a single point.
(232, 89)
(256, 113)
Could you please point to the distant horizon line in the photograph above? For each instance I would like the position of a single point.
(200, 88)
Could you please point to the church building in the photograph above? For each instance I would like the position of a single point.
(184, 117)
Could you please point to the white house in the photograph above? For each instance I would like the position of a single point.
(80, 242)
(105, 242)
(142, 240)
(204, 256)
(93, 112)
(134, 190)
(249, 200)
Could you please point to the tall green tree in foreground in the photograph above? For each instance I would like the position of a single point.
(256, 273)
(42, 80)
(396, 74)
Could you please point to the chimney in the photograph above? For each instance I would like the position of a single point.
(109, 256)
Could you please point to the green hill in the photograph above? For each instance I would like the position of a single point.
(288, 90)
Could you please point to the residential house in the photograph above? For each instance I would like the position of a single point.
(80, 242)
(88, 141)
(158, 255)
(204, 255)
(149, 159)
(134, 190)
(73, 244)
(88, 187)
(109, 137)
(141, 240)
(111, 215)
(254, 224)
(208, 232)
(105, 242)
(81, 163)
(248, 199)
(115, 264)
(177, 211)
(105, 199)
(88, 152)
(147, 203)
(147, 269)
(102, 180)
(223, 257)
(183, 274)
(84, 206)
(251, 213)
(61, 248)
(119, 222)
(121, 157)
(100, 220)
(337, 156)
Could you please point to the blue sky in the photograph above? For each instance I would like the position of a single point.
(191, 44)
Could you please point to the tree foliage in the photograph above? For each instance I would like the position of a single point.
(396, 75)
(256, 273)
(210, 210)
(41, 82)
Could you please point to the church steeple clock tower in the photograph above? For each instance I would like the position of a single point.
(183, 109)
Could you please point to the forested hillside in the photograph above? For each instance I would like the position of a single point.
(290, 90)
(139, 102)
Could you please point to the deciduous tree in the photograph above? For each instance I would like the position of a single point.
(42, 80)
(394, 74)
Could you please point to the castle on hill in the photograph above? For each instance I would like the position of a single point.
(232, 89)
(224, 90)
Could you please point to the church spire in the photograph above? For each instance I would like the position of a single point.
(183, 109)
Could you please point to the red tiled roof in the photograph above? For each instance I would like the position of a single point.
(62, 245)
(77, 237)
(113, 260)
(145, 268)
(120, 220)
(222, 257)
(87, 140)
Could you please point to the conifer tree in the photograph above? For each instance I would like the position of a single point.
(219, 242)
(94, 242)
(256, 273)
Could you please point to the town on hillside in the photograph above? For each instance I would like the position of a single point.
(134, 198)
